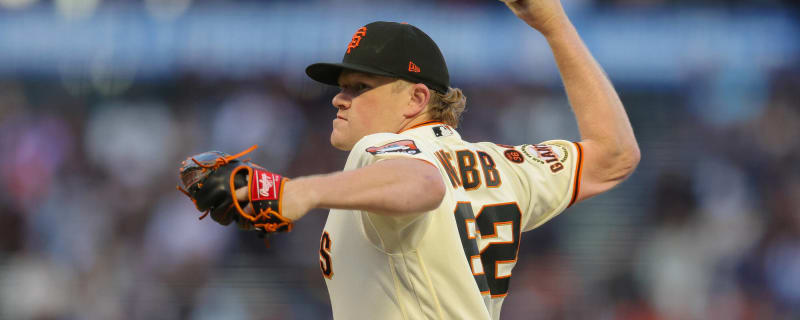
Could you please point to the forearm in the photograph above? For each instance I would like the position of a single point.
(599, 112)
(389, 187)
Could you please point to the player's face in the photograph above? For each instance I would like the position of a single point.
(366, 104)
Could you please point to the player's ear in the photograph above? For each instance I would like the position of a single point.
(419, 97)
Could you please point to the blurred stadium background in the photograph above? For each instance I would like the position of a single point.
(101, 99)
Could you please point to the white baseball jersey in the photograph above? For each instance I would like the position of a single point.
(454, 262)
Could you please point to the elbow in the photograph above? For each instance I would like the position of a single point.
(628, 160)
(432, 191)
(619, 164)
(637, 156)
(634, 156)
(606, 169)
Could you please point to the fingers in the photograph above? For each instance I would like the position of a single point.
(242, 222)
(241, 194)
(515, 4)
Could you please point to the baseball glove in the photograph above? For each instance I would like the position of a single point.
(211, 179)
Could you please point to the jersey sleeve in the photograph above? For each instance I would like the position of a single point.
(391, 233)
(550, 173)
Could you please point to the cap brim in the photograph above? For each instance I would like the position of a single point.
(328, 73)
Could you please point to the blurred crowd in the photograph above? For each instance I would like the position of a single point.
(91, 226)
(169, 9)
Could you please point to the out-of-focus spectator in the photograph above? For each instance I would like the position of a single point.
(91, 225)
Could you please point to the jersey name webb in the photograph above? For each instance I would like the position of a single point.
(468, 163)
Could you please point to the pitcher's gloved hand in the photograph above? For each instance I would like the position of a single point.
(211, 179)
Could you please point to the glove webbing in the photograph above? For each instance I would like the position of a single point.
(221, 161)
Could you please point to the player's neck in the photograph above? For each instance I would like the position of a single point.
(417, 122)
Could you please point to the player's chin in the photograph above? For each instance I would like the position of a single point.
(339, 142)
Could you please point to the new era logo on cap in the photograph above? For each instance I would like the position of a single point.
(413, 67)
(389, 49)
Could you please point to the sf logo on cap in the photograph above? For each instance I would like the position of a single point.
(361, 32)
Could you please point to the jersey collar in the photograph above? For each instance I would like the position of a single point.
(422, 124)
(432, 129)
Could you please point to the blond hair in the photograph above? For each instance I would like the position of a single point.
(444, 107)
(447, 107)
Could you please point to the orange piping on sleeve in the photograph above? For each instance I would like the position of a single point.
(578, 172)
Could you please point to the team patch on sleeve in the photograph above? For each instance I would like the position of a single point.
(402, 146)
(552, 155)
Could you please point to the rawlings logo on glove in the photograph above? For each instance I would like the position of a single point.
(210, 180)
(264, 187)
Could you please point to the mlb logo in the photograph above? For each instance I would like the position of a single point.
(442, 131)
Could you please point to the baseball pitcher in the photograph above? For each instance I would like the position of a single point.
(425, 225)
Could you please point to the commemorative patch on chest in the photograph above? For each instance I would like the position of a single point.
(552, 155)
(402, 146)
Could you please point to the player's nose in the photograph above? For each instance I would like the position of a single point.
(341, 101)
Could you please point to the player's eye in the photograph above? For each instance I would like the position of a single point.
(356, 88)
(361, 87)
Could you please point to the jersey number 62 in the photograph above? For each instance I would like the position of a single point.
(490, 240)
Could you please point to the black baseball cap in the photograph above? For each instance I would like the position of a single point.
(389, 49)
